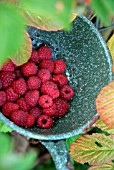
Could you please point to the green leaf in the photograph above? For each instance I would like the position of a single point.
(57, 11)
(11, 31)
(41, 22)
(18, 162)
(5, 145)
(101, 10)
(12, 161)
(109, 5)
(105, 104)
(96, 149)
(4, 128)
(24, 54)
(103, 127)
(109, 166)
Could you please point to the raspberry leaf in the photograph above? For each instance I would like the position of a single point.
(103, 127)
(24, 54)
(42, 23)
(69, 141)
(14, 161)
(105, 104)
(11, 1)
(109, 166)
(59, 12)
(5, 146)
(111, 48)
(72, 139)
(96, 149)
(11, 30)
(102, 10)
(4, 128)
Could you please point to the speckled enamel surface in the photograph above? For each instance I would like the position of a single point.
(88, 70)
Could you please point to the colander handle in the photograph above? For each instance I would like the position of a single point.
(59, 153)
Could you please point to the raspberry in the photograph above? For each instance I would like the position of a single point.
(32, 97)
(18, 73)
(44, 122)
(36, 112)
(0, 84)
(19, 86)
(11, 95)
(33, 83)
(8, 108)
(47, 64)
(2, 97)
(50, 111)
(50, 89)
(30, 120)
(18, 117)
(45, 101)
(7, 78)
(62, 107)
(29, 69)
(34, 56)
(8, 66)
(66, 92)
(59, 66)
(23, 105)
(44, 75)
(60, 80)
(44, 53)
(87, 2)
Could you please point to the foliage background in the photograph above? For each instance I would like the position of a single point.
(22, 153)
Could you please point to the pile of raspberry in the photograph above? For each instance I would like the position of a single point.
(36, 92)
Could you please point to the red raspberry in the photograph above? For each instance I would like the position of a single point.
(18, 117)
(36, 112)
(29, 69)
(7, 78)
(8, 108)
(62, 107)
(32, 97)
(0, 84)
(87, 2)
(8, 66)
(2, 97)
(44, 53)
(47, 64)
(30, 120)
(34, 56)
(45, 121)
(18, 73)
(33, 83)
(44, 75)
(66, 92)
(59, 66)
(50, 89)
(60, 80)
(23, 105)
(50, 111)
(11, 95)
(19, 86)
(45, 101)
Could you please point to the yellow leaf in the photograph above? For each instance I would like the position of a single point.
(109, 166)
(103, 127)
(110, 44)
(24, 54)
(96, 149)
(105, 104)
